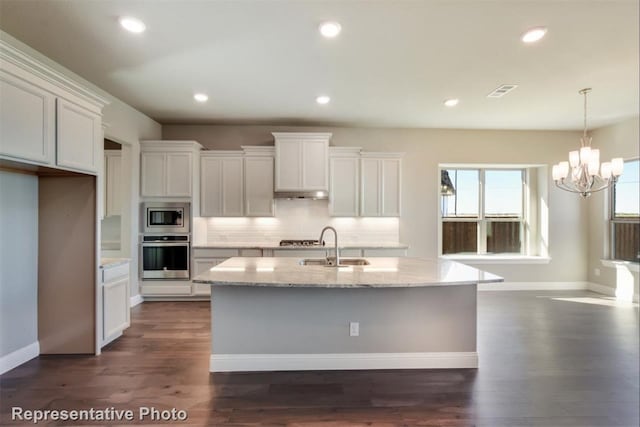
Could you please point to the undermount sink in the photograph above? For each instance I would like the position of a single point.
(331, 262)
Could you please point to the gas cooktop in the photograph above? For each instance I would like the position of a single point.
(299, 243)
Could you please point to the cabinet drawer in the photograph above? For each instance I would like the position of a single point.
(114, 273)
(215, 253)
(301, 253)
(392, 252)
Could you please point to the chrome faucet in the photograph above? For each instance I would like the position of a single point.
(337, 264)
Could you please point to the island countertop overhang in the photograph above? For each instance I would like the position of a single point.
(402, 272)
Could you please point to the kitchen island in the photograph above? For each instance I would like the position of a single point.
(393, 313)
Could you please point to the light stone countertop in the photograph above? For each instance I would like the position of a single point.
(112, 262)
(275, 245)
(402, 272)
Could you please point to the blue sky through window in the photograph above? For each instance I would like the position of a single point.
(627, 201)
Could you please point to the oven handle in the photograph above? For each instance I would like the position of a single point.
(145, 244)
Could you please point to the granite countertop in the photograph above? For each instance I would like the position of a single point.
(402, 272)
(275, 245)
(113, 262)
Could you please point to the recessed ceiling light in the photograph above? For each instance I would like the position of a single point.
(451, 102)
(200, 97)
(323, 99)
(330, 29)
(534, 34)
(131, 24)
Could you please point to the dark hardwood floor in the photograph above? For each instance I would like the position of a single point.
(544, 361)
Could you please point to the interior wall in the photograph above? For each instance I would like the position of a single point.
(67, 267)
(127, 126)
(425, 149)
(620, 140)
(18, 261)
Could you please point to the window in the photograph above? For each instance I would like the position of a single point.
(625, 214)
(485, 215)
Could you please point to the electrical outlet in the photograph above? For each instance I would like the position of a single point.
(354, 329)
(596, 271)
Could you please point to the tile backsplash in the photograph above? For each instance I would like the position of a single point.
(295, 219)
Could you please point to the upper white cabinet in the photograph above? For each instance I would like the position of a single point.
(380, 184)
(46, 118)
(79, 136)
(221, 184)
(113, 182)
(167, 168)
(27, 120)
(237, 183)
(344, 178)
(301, 161)
(258, 181)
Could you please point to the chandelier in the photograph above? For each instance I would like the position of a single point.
(583, 173)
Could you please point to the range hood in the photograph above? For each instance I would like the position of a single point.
(292, 195)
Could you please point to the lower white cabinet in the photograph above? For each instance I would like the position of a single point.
(200, 265)
(115, 301)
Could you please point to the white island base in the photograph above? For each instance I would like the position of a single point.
(411, 314)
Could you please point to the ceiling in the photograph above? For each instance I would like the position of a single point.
(393, 65)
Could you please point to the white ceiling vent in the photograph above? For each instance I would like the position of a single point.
(501, 91)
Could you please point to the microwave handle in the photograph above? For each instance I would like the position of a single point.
(162, 243)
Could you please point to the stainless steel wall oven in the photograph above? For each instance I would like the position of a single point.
(165, 257)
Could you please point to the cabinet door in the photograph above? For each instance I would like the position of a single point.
(370, 188)
(315, 166)
(199, 267)
(390, 187)
(288, 165)
(79, 135)
(115, 307)
(211, 186)
(179, 174)
(258, 186)
(343, 186)
(232, 186)
(27, 114)
(113, 183)
(153, 174)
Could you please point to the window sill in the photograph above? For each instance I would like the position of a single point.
(497, 259)
(631, 266)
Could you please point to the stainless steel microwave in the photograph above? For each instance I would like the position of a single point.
(166, 217)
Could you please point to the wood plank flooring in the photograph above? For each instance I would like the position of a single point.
(553, 359)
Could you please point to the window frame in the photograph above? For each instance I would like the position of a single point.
(613, 219)
(482, 219)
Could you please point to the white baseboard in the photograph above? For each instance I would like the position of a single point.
(533, 286)
(341, 361)
(606, 290)
(135, 300)
(19, 357)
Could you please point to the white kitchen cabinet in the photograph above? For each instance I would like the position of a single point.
(167, 168)
(78, 137)
(258, 186)
(302, 162)
(113, 191)
(344, 177)
(115, 301)
(45, 120)
(200, 265)
(221, 184)
(27, 120)
(380, 185)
